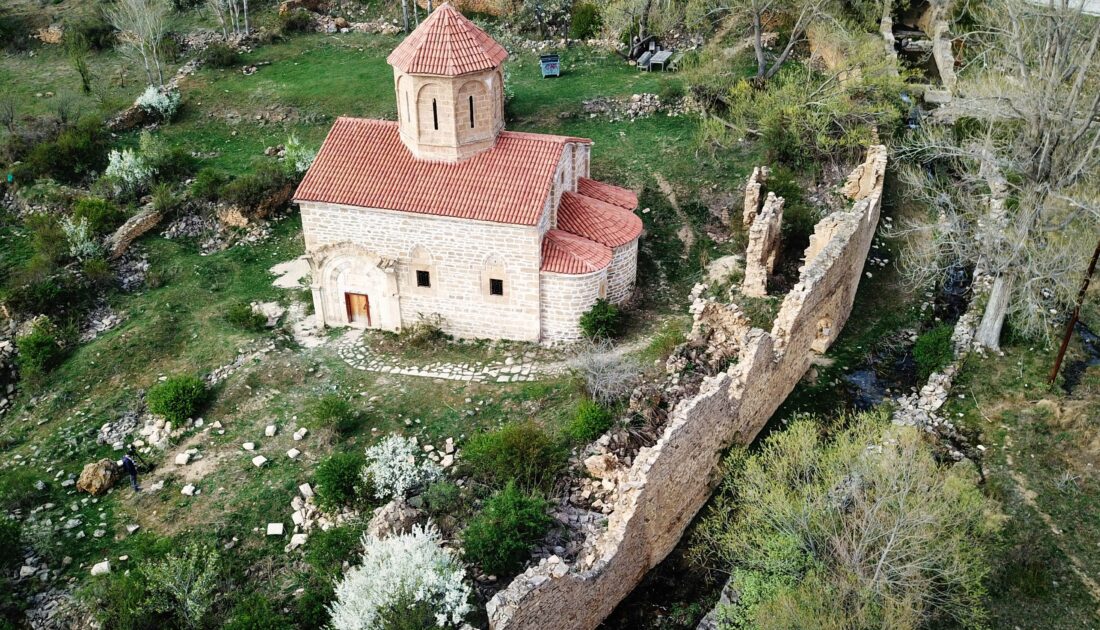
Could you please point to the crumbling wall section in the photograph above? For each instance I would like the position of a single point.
(128, 232)
(754, 192)
(763, 247)
(669, 482)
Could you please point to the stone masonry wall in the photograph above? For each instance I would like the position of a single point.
(622, 272)
(754, 191)
(461, 254)
(763, 247)
(565, 297)
(667, 484)
(134, 227)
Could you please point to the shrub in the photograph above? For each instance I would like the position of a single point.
(933, 350)
(76, 152)
(98, 272)
(241, 315)
(519, 451)
(40, 350)
(83, 243)
(585, 22)
(256, 612)
(208, 184)
(790, 513)
(122, 602)
(130, 169)
(11, 548)
(442, 497)
(425, 333)
(15, 30)
(103, 217)
(500, 537)
(165, 200)
(298, 157)
(178, 398)
(590, 421)
(406, 570)
(184, 585)
(339, 480)
(392, 468)
(170, 165)
(159, 103)
(62, 295)
(602, 321)
(296, 21)
(251, 190)
(609, 377)
(671, 92)
(336, 413)
(220, 55)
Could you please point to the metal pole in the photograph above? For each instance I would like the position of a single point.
(1073, 318)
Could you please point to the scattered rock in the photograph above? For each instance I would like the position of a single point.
(274, 529)
(98, 477)
(395, 517)
(102, 568)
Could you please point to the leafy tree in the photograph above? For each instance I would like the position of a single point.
(866, 530)
(184, 585)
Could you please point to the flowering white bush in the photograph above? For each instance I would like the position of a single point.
(160, 103)
(298, 157)
(400, 572)
(392, 468)
(82, 245)
(128, 167)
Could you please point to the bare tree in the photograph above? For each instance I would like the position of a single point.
(142, 25)
(757, 14)
(1016, 194)
(232, 16)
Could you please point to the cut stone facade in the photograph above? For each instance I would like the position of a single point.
(666, 484)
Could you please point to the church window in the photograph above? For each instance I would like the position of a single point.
(471, 112)
(435, 115)
(423, 278)
(496, 286)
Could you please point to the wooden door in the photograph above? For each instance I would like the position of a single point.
(358, 308)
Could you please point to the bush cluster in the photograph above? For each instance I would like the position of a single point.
(40, 350)
(520, 451)
(296, 21)
(91, 30)
(256, 612)
(208, 184)
(585, 23)
(11, 535)
(252, 190)
(74, 154)
(103, 216)
(241, 315)
(500, 537)
(178, 398)
(933, 350)
(334, 412)
(603, 321)
(339, 481)
(220, 55)
(590, 421)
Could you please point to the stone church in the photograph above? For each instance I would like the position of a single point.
(444, 213)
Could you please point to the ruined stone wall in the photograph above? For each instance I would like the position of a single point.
(667, 484)
(763, 247)
(128, 232)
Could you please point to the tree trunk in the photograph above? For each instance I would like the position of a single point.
(989, 330)
(757, 44)
(405, 13)
(246, 26)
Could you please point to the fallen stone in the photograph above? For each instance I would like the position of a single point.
(395, 517)
(293, 453)
(182, 459)
(297, 540)
(189, 490)
(249, 446)
(258, 461)
(274, 529)
(98, 477)
(101, 568)
(270, 430)
(306, 490)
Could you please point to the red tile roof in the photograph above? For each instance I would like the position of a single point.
(364, 163)
(447, 44)
(613, 195)
(563, 252)
(597, 220)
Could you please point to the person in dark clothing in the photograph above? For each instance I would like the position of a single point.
(131, 469)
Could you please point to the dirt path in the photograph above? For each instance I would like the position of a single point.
(1028, 495)
(685, 233)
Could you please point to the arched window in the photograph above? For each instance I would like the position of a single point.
(471, 111)
(435, 115)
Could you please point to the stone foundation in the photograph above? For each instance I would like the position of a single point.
(666, 484)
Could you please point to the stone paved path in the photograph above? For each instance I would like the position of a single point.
(355, 350)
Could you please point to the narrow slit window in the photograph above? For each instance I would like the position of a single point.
(408, 109)
(471, 112)
(423, 278)
(435, 115)
(496, 286)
